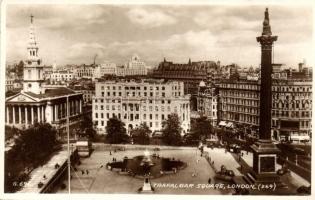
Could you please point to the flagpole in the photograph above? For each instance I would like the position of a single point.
(68, 140)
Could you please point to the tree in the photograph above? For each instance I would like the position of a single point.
(201, 128)
(32, 148)
(116, 131)
(11, 93)
(140, 134)
(19, 69)
(11, 132)
(171, 132)
(86, 128)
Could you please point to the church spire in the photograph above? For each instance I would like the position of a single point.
(32, 47)
(266, 25)
(33, 70)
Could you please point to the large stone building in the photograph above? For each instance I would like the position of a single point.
(191, 73)
(62, 76)
(84, 71)
(291, 107)
(106, 68)
(40, 103)
(135, 67)
(149, 101)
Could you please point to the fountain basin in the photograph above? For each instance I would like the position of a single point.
(138, 167)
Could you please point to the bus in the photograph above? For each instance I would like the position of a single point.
(84, 147)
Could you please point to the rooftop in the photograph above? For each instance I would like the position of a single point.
(55, 92)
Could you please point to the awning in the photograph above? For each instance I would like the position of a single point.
(300, 137)
(230, 125)
(222, 123)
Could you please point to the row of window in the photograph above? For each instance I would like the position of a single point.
(136, 108)
(295, 114)
(291, 89)
(103, 124)
(150, 101)
(302, 124)
(274, 88)
(233, 108)
(133, 87)
(294, 105)
(241, 101)
(134, 94)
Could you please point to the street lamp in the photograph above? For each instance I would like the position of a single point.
(68, 145)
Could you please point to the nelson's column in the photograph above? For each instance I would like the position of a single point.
(265, 151)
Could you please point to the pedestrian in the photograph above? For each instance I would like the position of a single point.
(110, 153)
(87, 172)
(82, 172)
(113, 159)
(209, 181)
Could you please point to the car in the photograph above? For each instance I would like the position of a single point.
(304, 190)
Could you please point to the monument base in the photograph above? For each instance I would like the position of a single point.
(147, 187)
(264, 165)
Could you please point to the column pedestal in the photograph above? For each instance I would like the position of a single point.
(264, 164)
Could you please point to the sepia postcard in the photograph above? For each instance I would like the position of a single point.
(136, 99)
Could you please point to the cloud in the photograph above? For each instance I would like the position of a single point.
(177, 47)
(150, 18)
(57, 16)
(81, 52)
(225, 22)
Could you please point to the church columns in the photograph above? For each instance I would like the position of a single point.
(72, 107)
(38, 114)
(64, 111)
(76, 107)
(56, 112)
(13, 111)
(49, 112)
(32, 115)
(8, 119)
(80, 106)
(43, 113)
(26, 114)
(20, 116)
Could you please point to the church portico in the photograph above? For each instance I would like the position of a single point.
(22, 114)
(18, 114)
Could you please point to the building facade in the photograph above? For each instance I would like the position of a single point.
(291, 107)
(62, 76)
(106, 68)
(84, 71)
(149, 102)
(207, 102)
(191, 73)
(135, 67)
(37, 103)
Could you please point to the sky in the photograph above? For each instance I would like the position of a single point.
(74, 34)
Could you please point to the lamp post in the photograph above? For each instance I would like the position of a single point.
(68, 141)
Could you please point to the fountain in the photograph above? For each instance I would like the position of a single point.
(146, 166)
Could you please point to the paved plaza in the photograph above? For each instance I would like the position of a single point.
(101, 180)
